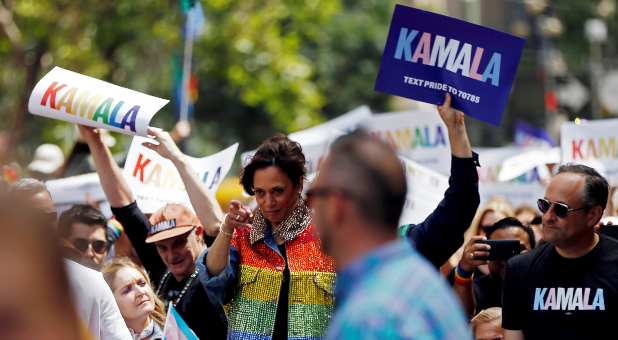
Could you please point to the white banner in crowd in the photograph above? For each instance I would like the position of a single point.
(315, 152)
(527, 160)
(155, 181)
(316, 140)
(419, 135)
(426, 189)
(81, 189)
(76, 98)
(76, 189)
(347, 122)
(491, 160)
(524, 185)
(592, 143)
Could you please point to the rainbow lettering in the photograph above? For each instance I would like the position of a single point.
(91, 105)
(594, 148)
(424, 137)
(569, 298)
(150, 172)
(450, 55)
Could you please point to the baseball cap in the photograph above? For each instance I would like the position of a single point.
(170, 221)
(47, 159)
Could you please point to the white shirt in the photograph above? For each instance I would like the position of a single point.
(95, 303)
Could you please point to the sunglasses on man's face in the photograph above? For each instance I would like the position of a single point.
(82, 245)
(560, 209)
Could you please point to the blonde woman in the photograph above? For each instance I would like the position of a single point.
(141, 309)
(487, 324)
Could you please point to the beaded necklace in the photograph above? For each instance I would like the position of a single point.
(184, 289)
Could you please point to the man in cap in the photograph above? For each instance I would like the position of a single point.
(171, 243)
(177, 235)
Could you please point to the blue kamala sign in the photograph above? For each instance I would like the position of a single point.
(428, 54)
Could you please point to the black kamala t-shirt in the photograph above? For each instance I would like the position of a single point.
(548, 296)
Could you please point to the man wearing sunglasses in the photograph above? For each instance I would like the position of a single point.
(566, 288)
(84, 229)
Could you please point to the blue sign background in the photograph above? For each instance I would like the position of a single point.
(493, 99)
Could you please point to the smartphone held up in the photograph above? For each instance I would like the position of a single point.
(501, 250)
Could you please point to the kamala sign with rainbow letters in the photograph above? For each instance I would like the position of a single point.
(76, 98)
(594, 143)
(155, 180)
(419, 135)
(427, 54)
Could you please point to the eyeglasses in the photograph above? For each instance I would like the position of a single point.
(82, 245)
(560, 209)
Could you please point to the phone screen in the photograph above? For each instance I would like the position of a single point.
(502, 250)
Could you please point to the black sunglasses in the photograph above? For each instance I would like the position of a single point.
(82, 245)
(560, 209)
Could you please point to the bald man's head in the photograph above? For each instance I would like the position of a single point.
(370, 171)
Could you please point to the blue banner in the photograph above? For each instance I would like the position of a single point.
(528, 135)
(428, 54)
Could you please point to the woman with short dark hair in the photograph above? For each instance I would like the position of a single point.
(284, 280)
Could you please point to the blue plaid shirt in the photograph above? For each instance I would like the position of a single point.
(393, 293)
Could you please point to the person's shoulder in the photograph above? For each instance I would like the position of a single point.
(86, 280)
(398, 298)
(81, 272)
(609, 247)
(609, 242)
(394, 283)
(87, 285)
(532, 257)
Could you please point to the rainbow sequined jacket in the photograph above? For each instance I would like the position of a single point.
(257, 268)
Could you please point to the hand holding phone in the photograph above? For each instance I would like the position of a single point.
(502, 250)
(473, 254)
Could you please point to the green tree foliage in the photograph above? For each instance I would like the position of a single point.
(264, 66)
(125, 42)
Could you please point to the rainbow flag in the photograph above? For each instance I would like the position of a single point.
(176, 328)
(193, 87)
(186, 82)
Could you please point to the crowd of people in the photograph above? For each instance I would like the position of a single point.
(325, 259)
